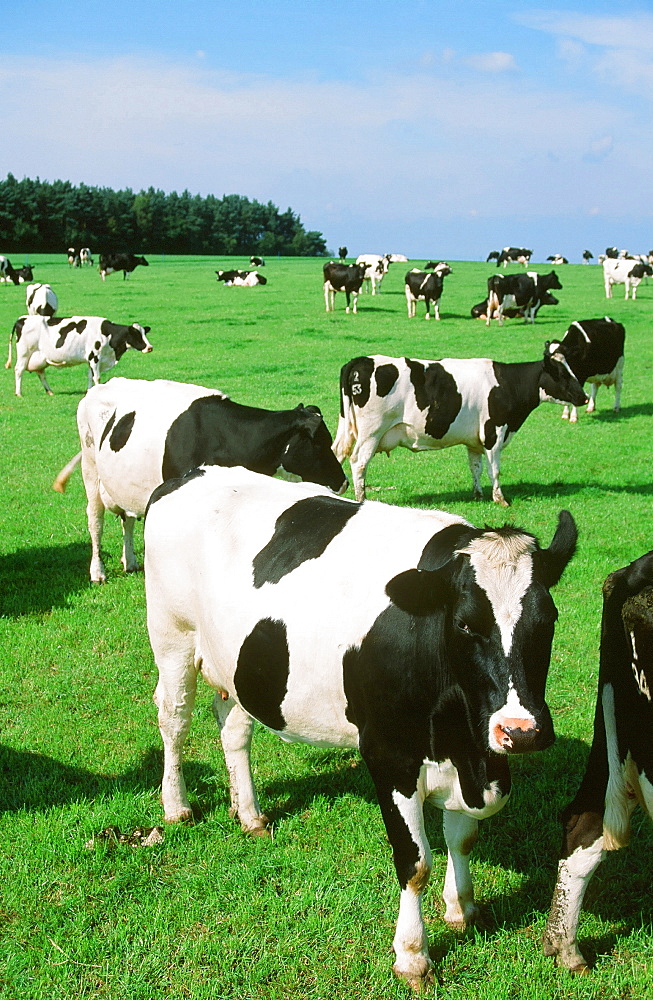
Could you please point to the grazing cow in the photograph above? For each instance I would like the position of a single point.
(125, 262)
(342, 254)
(619, 771)
(480, 310)
(241, 279)
(73, 340)
(346, 278)
(85, 256)
(493, 255)
(376, 268)
(624, 272)
(17, 276)
(557, 259)
(137, 434)
(422, 405)
(430, 656)
(518, 291)
(422, 286)
(594, 349)
(587, 256)
(41, 300)
(514, 255)
(74, 257)
(257, 261)
(397, 258)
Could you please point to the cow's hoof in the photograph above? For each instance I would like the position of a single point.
(258, 827)
(416, 979)
(182, 816)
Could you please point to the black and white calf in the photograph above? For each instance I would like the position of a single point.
(137, 434)
(376, 268)
(346, 278)
(587, 256)
(428, 405)
(624, 272)
(125, 262)
(423, 286)
(619, 771)
(557, 259)
(41, 300)
(85, 256)
(241, 279)
(69, 341)
(431, 657)
(524, 292)
(594, 349)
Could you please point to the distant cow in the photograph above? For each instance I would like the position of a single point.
(74, 257)
(346, 278)
(257, 262)
(85, 256)
(422, 286)
(125, 262)
(587, 256)
(624, 272)
(480, 310)
(41, 300)
(342, 254)
(410, 635)
(376, 268)
(241, 279)
(423, 405)
(514, 255)
(524, 292)
(619, 772)
(17, 276)
(73, 340)
(493, 255)
(557, 259)
(594, 349)
(137, 434)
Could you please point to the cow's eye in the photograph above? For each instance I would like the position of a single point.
(463, 627)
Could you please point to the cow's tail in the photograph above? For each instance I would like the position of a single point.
(11, 338)
(61, 481)
(346, 434)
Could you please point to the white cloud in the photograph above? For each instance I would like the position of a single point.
(492, 62)
(620, 31)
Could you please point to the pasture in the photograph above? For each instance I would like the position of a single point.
(310, 912)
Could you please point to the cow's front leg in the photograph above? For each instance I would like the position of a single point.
(236, 728)
(128, 558)
(460, 833)
(493, 457)
(174, 697)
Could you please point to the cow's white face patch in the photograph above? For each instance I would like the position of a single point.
(503, 567)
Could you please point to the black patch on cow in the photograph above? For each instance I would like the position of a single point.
(107, 427)
(385, 377)
(516, 395)
(356, 380)
(97, 345)
(301, 532)
(171, 485)
(122, 430)
(64, 330)
(435, 390)
(18, 328)
(261, 678)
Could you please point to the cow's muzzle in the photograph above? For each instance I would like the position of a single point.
(521, 736)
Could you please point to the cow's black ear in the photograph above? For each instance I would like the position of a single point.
(417, 591)
(552, 561)
(147, 328)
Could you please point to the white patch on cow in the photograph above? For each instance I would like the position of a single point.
(579, 327)
(441, 785)
(638, 673)
(619, 804)
(504, 568)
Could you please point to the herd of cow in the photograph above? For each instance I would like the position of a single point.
(433, 663)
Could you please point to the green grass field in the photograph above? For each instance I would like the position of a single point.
(310, 913)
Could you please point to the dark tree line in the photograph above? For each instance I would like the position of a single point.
(42, 217)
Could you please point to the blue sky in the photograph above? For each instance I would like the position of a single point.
(424, 127)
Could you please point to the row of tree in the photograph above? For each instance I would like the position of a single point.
(42, 217)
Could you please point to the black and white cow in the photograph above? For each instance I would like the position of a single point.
(85, 256)
(41, 300)
(74, 257)
(241, 279)
(524, 292)
(587, 256)
(125, 262)
(346, 278)
(424, 286)
(514, 255)
(480, 310)
(257, 262)
(342, 254)
(376, 268)
(557, 259)
(69, 341)
(428, 405)
(594, 349)
(493, 255)
(17, 276)
(137, 434)
(431, 658)
(619, 771)
(624, 272)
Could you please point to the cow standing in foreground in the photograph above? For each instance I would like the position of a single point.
(431, 656)
(525, 292)
(594, 349)
(346, 278)
(423, 405)
(137, 434)
(619, 771)
(426, 287)
(125, 262)
(72, 340)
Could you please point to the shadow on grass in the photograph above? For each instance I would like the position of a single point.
(524, 491)
(37, 580)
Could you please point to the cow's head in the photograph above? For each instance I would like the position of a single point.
(558, 384)
(308, 454)
(489, 590)
(136, 338)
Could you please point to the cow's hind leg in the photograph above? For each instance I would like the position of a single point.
(95, 517)
(236, 728)
(460, 832)
(476, 467)
(174, 697)
(128, 558)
